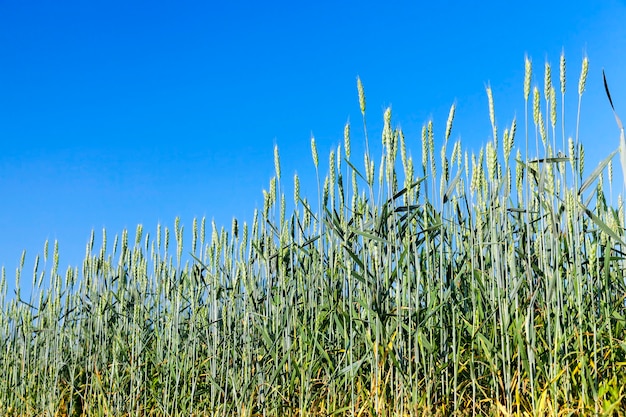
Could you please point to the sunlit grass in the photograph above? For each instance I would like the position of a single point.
(465, 283)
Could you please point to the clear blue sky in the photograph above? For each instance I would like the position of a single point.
(118, 113)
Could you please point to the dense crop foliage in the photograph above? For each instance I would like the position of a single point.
(464, 283)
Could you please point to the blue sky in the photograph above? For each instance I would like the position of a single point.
(118, 113)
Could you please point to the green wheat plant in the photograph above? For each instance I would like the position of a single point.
(463, 282)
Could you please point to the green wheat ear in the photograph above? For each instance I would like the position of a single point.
(528, 70)
(361, 91)
(583, 76)
(562, 69)
(314, 152)
(277, 162)
(622, 140)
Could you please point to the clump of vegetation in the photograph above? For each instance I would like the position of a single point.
(457, 284)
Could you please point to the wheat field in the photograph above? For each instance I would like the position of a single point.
(462, 283)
